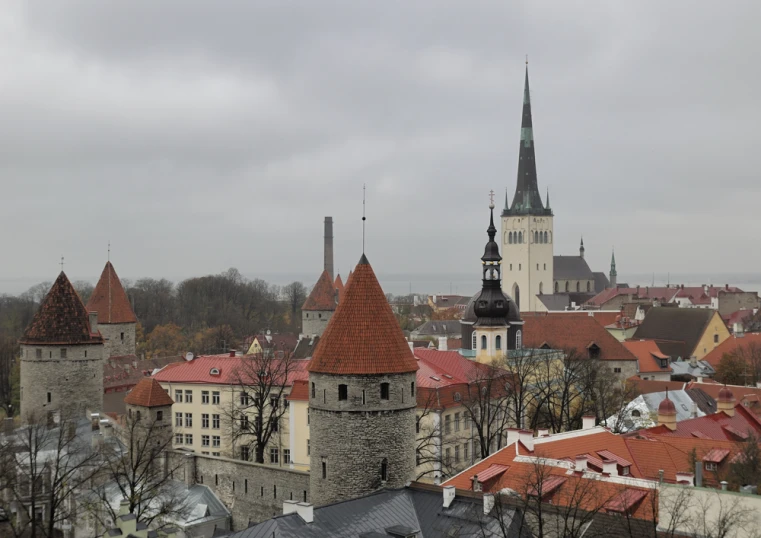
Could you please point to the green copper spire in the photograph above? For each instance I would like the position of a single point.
(547, 204)
(613, 264)
(507, 204)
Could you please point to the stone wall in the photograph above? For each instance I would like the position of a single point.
(119, 338)
(353, 437)
(251, 491)
(74, 382)
(732, 302)
(313, 322)
(628, 367)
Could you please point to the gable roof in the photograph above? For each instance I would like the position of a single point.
(363, 336)
(110, 300)
(648, 355)
(322, 296)
(571, 268)
(742, 345)
(663, 294)
(572, 332)
(61, 318)
(713, 426)
(679, 328)
(148, 393)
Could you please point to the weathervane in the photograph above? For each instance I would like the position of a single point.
(109, 251)
(364, 190)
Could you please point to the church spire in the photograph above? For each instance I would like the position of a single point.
(581, 247)
(613, 273)
(507, 204)
(547, 204)
(527, 199)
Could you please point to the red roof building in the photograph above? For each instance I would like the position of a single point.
(716, 426)
(148, 393)
(223, 370)
(745, 345)
(363, 335)
(652, 362)
(110, 300)
(323, 295)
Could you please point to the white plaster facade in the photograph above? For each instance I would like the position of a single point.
(527, 266)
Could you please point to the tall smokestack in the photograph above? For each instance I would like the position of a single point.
(329, 246)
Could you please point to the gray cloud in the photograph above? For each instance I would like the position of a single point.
(202, 135)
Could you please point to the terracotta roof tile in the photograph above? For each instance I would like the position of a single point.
(229, 369)
(61, 318)
(363, 336)
(110, 300)
(741, 345)
(300, 391)
(123, 372)
(712, 426)
(649, 355)
(322, 296)
(148, 393)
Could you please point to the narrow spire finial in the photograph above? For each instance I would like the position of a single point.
(62, 264)
(109, 251)
(364, 191)
(491, 199)
(526, 59)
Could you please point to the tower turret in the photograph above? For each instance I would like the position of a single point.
(362, 397)
(116, 319)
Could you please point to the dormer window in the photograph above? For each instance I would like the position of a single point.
(214, 371)
(594, 351)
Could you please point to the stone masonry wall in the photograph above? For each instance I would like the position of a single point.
(75, 383)
(251, 491)
(353, 436)
(314, 322)
(116, 346)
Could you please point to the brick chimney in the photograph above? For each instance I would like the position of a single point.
(329, 246)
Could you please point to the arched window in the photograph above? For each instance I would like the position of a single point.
(474, 341)
(483, 341)
(589, 286)
(384, 470)
(520, 237)
(557, 287)
(498, 342)
(536, 237)
(510, 237)
(518, 340)
(567, 287)
(541, 288)
(578, 286)
(517, 296)
(545, 237)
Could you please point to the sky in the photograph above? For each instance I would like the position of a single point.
(197, 136)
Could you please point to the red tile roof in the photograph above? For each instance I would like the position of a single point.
(490, 472)
(363, 336)
(572, 333)
(148, 393)
(648, 354)
(734, 344)
(742, 394)
(61, 318)
(230, 369)
(628, 498)
(339, 287)
(712, 426)
(661, 293)
(716, 455)
(110, 300)
(300, 391)
(322, 296)
(121, 373)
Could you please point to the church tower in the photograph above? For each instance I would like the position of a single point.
(527, 232)
(116, 319)
(613, 272)
(362, 398)
(61, 357)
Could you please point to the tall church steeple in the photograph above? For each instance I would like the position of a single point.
(613, 272)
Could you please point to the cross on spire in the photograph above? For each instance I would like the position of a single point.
(491, 199)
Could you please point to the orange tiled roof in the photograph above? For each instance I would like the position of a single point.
(61, 318)
(731, 345)
(712, 426)
(339, 287)
(363, 336)
(148, 393)
(646, 386)
(300, 391)
(110, 300)
(323, 295)
(648, 354)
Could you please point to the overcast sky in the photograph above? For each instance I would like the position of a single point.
(196, 136)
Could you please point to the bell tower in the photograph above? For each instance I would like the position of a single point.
(527, 227)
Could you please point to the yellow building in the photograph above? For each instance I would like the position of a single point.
(683, 332)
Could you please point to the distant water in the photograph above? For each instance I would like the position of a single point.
(446, 283)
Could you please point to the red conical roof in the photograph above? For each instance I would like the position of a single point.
(148, 393)
(61, 318)
(110, 300)
(363, 336)
(339, 286)
(323, 296)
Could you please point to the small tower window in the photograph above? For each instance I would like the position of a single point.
(541, 288)
(384, 470)
(536, 237)
(63, 352)
(412, 389)
(138, 416)
(159, 416)
(122, 336)
(324, 468)
(589, 286)
(483, 341)
(578, 287)
(313, 390)
(50, 397)
(510, 238)
(38, 353)
(518, 340)
(343, 392)
(498, 342)
(567, 287)
(384, 391)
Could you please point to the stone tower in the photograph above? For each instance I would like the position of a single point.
(116, 320)
(527, 228)
(362, 398)
(319, 306)
(61, 357)
(149, 413)
(613, 272)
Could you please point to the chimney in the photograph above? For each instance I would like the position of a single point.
(588, 422)
(693, 362)
(581, 463)
(232, 352)
(124, 508)
(512, 436)
(527, 438)
(610, 467)
(442, 343)
(685, 477)
(289, 507)
(306, 510)
(488, 503)
(449, 495)
(93, 322)
(699, 473)
(329, 246)
(543, 432)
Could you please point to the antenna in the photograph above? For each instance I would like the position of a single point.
(364, 190)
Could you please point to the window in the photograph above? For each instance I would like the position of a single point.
(625, 471)
(567, 287)
(286, 455)
(274, 455)
(244, 398)
(448, 424)
(313, 391)
(38, 353)
(511, 266)
(274, 402)
(498, 341)
(216, 440)
(215, 397)
(465, 452)
(324, 468)
(715, 338)
(204, 396)
(122, 337)
(217, 454)
(510, 238)
(63, 352)
(589, 286)
(518, 340)
(384, 470)
(244, 422)
(343, 392)
(557, 287)
(205, 440)
(636, 413)
(545, 237)
(188, 396)
(417, 424)
(177, 438)
(245, 454)
(483, 341)
(457, 422)
(205, 420)
(215, 421)
(412, 389)
(711, 466)
(159, 416)
(178, 419)
(457, 454)
(308, 418)
(545, 267)
(309, 448)
(536, 240)
(188, 438)
(519, 266)
(466, 420)
(448, 456)
(178, 396)
(384, 391)
(188, 420)
(418, 457)
(50, 397)
(617, 370)
(578, 287)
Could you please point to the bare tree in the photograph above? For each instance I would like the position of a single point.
(523, 366)
(611, 397)
(433, 443)
(716, 515)
(487, 403)
(745, 467)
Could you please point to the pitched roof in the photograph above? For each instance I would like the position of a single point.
(681, 326)
(601, 281)
(740, 344)
(645, 386)
(148, 393)
(127, 370)
(322, 296)
(663, 294)
(572, 333)
(61, 318)
(110, 300)
(712, 426)
(363, 336)
(571, 268)
(228, 370)
(339, 287)
(439, 327)
(648, 355)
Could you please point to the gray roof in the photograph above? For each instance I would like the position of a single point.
(562, 301)
(703, 369)
(601, 281)
(305, 347)
(571, 268)
(682, 401)
(442, 327)
(419, 508)
(677, 331)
